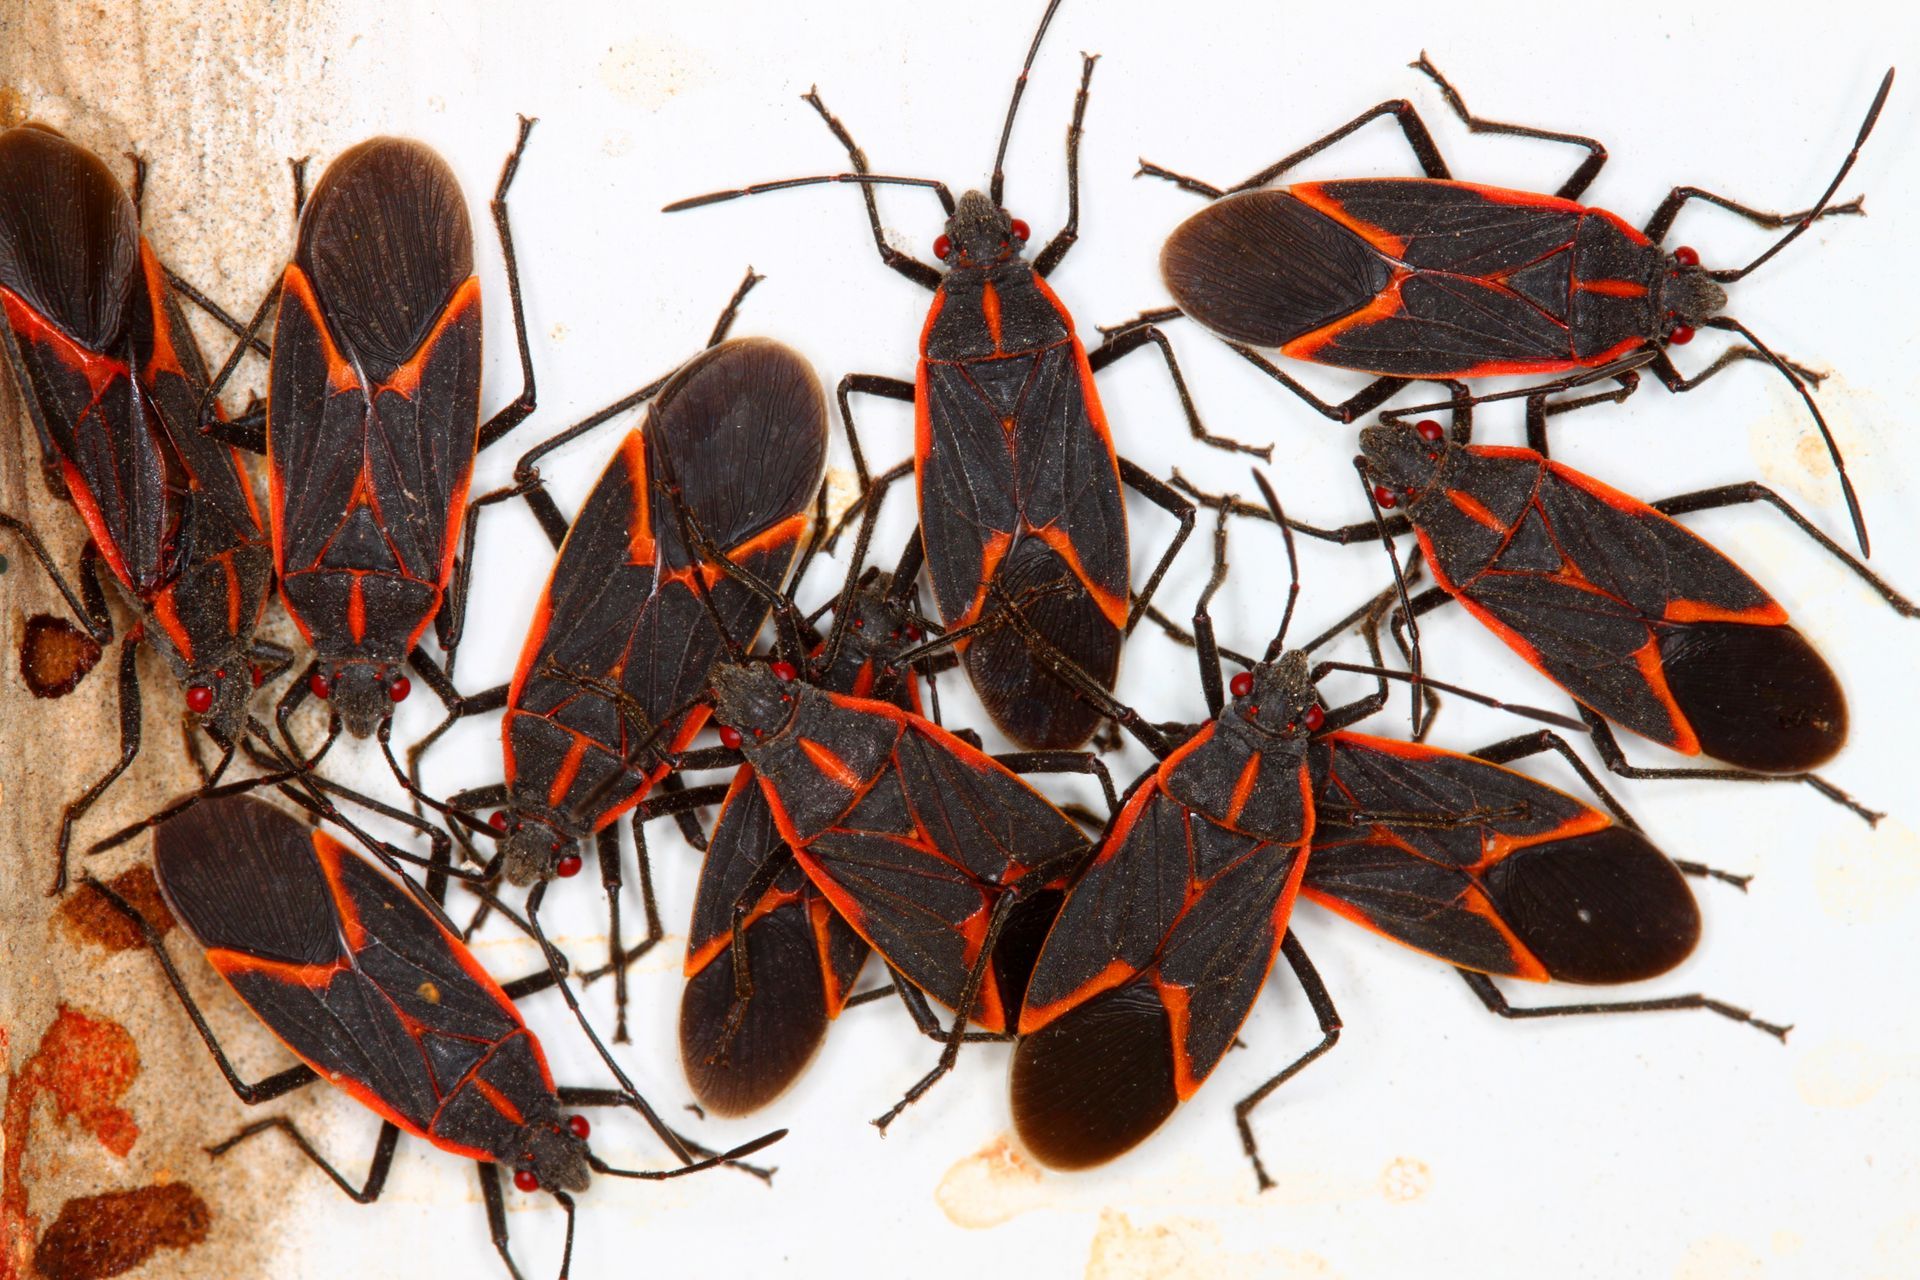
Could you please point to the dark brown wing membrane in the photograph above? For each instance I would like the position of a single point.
(742, 430)
(1263, 268)
(1027, 703)
(386, 241)
(242, 876)
(69, 239)
(803, 960)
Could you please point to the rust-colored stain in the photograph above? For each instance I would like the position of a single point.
(13, 109)
(106, 1235)
(55, 656)
(89, 917)
(84, 1064)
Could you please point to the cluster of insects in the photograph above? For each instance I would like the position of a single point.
(1119, 951)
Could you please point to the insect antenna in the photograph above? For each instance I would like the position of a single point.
(1275, 646)
(998, 186)
(938, 188)
(1866, 127)
(1819, 420)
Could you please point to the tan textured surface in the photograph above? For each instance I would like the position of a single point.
(120, 76)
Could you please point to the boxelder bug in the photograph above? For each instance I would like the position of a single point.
(1163, 943)
(1018, 481)
(373, 993)
(938, 855)
(1410, 278)
(769, 961)
(742, 429)
(112, 379)
(1641, 620)
(372, 419)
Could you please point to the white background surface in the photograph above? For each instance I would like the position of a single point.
(1435, 1140)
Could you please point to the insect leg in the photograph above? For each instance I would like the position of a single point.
(1496, 1003)
(904, 263)
(1577, 182)
(1124, 339)
(265, 1090)
(1163, 496)
(366, 1193)
(495, 1199)
(129, 748)
(523, 404)
(1353, 408)
(1403, 113)
(1663, 217)
(1322, 1003)
(963, 1014)
(1616, 761)
(1531, 744)
(1064, 762)
(1752, 491)
(872, 384)
(1063, 240)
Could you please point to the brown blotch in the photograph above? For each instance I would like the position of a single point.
(55, 656)
(105, 1235)
(84, 1064)
(89, 917)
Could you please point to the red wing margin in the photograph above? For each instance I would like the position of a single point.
(341, 963)
(1489, 870)
(1647, 623)
(1152, 967)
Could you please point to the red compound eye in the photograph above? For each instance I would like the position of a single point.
(1314, 718)
(942, 247)
(1682, 334)
(785, 671)
(1686, 256)
(913, 632)
(526, 1180)
(259, 677)
(1385, 496)
(199, 699)
(499, 820)
(729, 736)
(1021, 231)
(398, 688)
(320, 686)
(1429, 430)
(578, 1127)
(1242, 684)
(568, 866)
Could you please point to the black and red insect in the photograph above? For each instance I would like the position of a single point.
(1641, 620)
(769, 962)
(936, 855)
(372, 419)
(1019, 484)
(740, 433)
(377, 996)
(112, 380)
(1430, 278)
(1165, 941)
